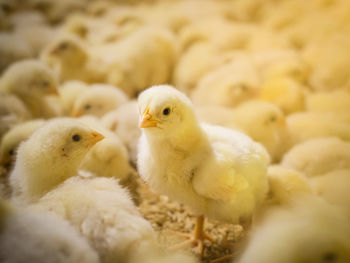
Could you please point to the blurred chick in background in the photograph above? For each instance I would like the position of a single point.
(31, 81)
(211, 169)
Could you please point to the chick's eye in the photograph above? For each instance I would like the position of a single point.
(87, 107)
(63, 46)
(11, 152)
(166, 111)
(45, 84)
(273, 118)
(76, 137)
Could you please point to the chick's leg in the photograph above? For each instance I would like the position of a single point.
(197, 238)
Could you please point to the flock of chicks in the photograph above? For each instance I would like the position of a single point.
(255, 133)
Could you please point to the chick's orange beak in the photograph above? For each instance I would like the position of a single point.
(147, 121)
(75, 113)
(96, 137)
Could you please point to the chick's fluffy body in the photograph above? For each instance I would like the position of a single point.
(216, 171)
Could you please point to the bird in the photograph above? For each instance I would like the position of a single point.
(29, 236)
(52, 154)
(12, 111)
(98, 100)
(334, 102)
(217, 172)
(332, 154)
(12, 139)
(31, 81)
(103, 213)
(309, 230)
(68, 93)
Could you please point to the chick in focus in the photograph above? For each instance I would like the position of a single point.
(179, 157)
(29, 236)
(97, 100)
(31, 81)
(52, 154)
(308, 231)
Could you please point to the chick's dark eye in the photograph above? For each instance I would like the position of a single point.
(11, 152)
(87, 107)
(63, 46)
(273, 118)
(166, 111)
(45, 83)
(76, 137)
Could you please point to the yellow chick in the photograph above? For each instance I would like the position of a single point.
(334, 187)
(97, 100)
(318, 156)
(309, 125)
(52, 154)
(133, 68)
(103, 213)
(29, 236)
(72, 60)
(308, 231)
(68, 93)
(285, 185)
(11, 140)
(228, 85)
(335, 102)
(217, 115)
(31, 81)
(124, 121)
(12, 112)
(265, 123)
(285, 93)
(178, 157)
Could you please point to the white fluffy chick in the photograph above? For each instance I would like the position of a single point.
(335, 102)
(72, 61)
(29, 236)
(308, 125)
(334, 187)
(285, 93)
(12, 112)
(318, 156)
(69, 92)
(264, 122)
(179, 157)
(98, 99)
(309, 231)
(52, 154)
(228, 85)
(12, 139)
(31, 81)
(124, 121)
(103, 213)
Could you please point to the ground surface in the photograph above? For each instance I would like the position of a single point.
(166, 216)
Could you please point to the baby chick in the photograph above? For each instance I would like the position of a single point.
(13, 138)
(179, 157)
(97, 100)
(318, 156)
(336, 102)
(285, 93)
(103, 213)
(334, 187)
(29, 236)
(52, 154)
(308, 125)
(228, 85)
(12, 112)
(308, 231)
(72, 61)
(124, 121)
(69, 92)
(31, 81)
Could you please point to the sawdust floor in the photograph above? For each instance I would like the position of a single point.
(166, 216)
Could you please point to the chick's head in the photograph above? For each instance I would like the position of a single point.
(69, 50)
(30, 78)
(165, 110)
